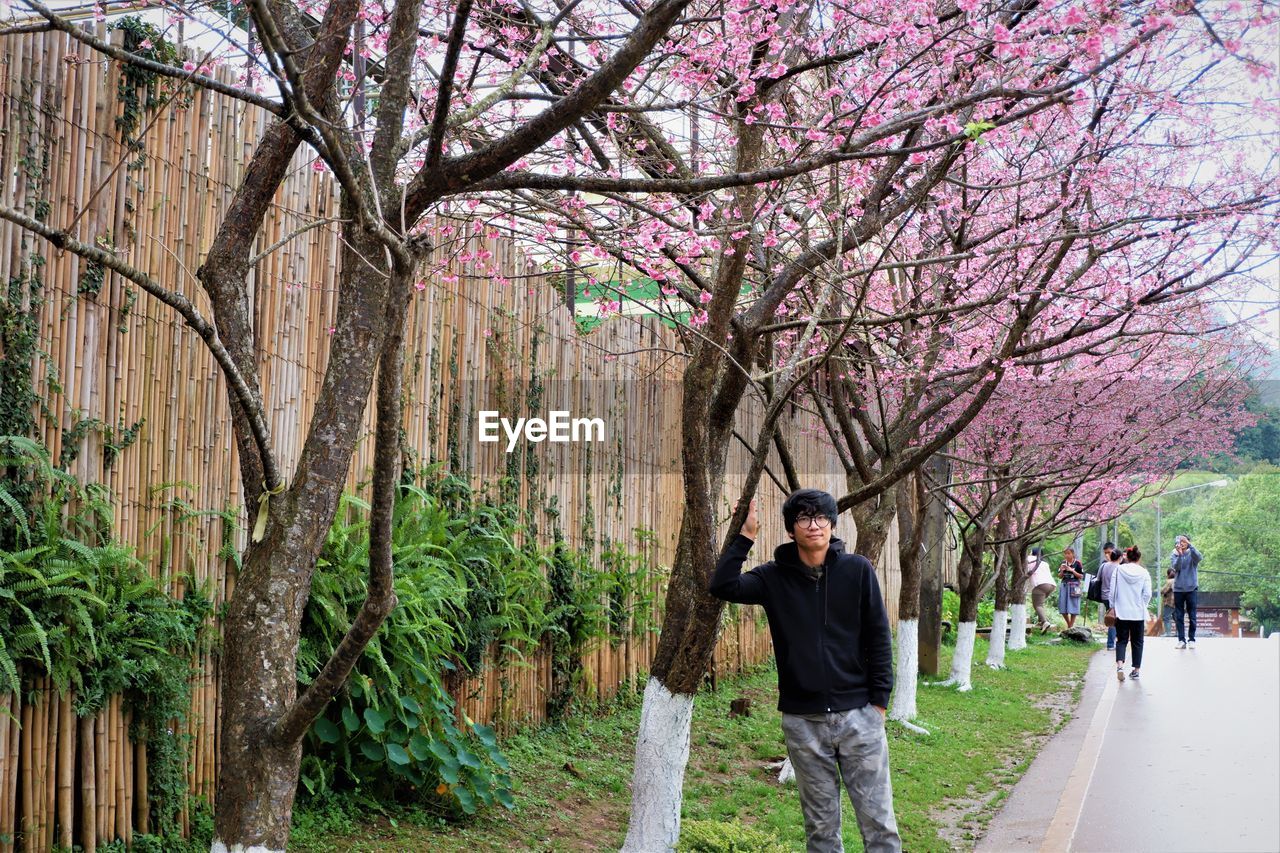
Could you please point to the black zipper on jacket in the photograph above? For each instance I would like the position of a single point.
(821, 588)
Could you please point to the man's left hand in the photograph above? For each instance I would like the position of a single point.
(881, 710)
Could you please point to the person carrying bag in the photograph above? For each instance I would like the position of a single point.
(1130, 593)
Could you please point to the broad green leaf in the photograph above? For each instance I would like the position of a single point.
(326, 730)
(349, 719)
(397, 754)
(375, 719)
(373, 750)
(441, 750)
(419, 747)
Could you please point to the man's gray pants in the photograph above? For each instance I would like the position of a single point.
(852, 744)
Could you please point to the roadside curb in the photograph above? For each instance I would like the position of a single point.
(1043, 804)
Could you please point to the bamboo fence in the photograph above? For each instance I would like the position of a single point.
(476, 341)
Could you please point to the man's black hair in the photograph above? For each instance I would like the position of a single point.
(1110, 545)
(1035, 552)
(808, 502)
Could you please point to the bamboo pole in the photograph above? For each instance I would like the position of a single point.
(40, 761)
(28, 779)
(100, 774)
(9, 780)
(141, 800)
(88, 788)
(52, 719)
(124, 793)
(112, 767)
(6, 701)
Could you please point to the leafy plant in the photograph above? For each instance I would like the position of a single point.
(462, 583)
(81, 607)
(628, 579)
(472, 591)
(713, 836)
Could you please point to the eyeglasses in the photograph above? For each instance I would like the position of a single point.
(813, 521)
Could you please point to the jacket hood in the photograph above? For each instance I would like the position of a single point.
(788, 554)
(1131, 575)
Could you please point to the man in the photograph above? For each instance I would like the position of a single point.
(1042, 586)
(1186, 585)
(1106, 572)
(835, 667)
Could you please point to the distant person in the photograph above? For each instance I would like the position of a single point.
(1070, 573)
(1042, 586)
(1186, 586)
(1106, 571)
(834, 653)
(1166, 602)
(1130, 594)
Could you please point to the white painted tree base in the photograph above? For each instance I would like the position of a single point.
(906, 678)
(995, 650)
(657, 784)
(910, 726)
(787, 774)
(1018, 628)
(219, 847)
(962, 661)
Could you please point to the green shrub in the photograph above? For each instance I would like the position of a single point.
(80, 607)
(713, 836)
(951, 613)
(462, 583)
(467, 580)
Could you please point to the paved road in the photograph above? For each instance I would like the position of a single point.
(1185, 759)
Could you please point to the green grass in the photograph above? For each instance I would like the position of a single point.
(572, 781)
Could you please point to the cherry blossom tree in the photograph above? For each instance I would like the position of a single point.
(1081, 445)
(761, 161)
(448, 112)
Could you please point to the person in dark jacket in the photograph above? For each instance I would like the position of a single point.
(834, 653)
(1185, 563)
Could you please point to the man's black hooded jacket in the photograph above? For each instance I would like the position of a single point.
(830, 629)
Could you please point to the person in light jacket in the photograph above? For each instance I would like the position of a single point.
(1042, 586)
(1130, 594)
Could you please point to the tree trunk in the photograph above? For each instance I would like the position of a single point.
(259, 772)
(258, 778)
(872, 519)
(689, 632)
(907, 665)
(662, 752)
(1018, 596)
(911, 503)
(970, 571)
(931, 531)
(995, 647)
(962, 660)
(690, 628)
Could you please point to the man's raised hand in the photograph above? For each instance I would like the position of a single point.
(751, 526)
